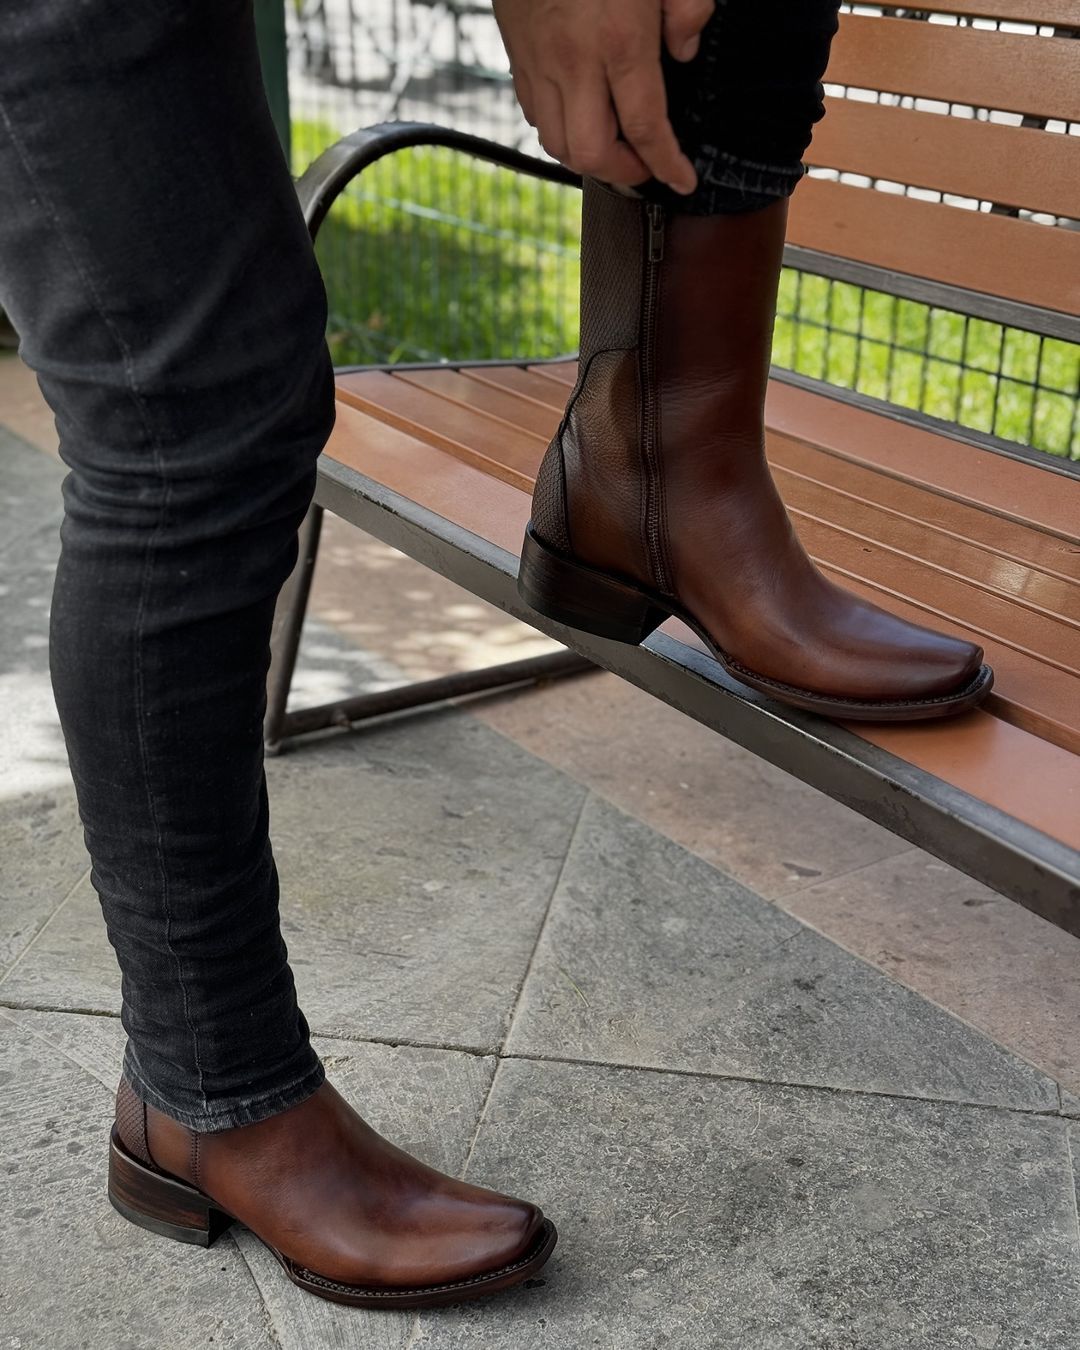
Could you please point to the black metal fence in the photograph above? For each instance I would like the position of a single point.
(432, 256)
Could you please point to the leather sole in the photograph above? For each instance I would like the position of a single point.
(581, 597)
(165, 1205)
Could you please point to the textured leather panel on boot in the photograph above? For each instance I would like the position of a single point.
(346, 1212)
(601, 443)
(131, 1121)
(610, 270)
(549, 508)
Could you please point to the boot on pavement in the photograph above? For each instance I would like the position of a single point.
(349, 1216)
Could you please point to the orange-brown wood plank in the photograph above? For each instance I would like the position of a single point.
(476, 438)
(1014, 490)
(1027, 777)
(1006, 539)
(1023, 607)
(996, 255)
(940, 593)
(983, 69)
(486, 398)
(1052, 13)
(541, 389)
(1015, 166)
(442, 482)
(1023, 586)
(1007, 557)
(564, 372)
(998, 763)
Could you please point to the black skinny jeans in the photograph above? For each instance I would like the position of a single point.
(153, 259)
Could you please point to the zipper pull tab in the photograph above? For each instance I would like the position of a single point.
(656, 232)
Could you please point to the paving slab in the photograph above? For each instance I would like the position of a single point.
(73, 1274)
(417, 863)
(1070, 1104)
(959, 944)
(700, 1213)
(42, 856)
(773, 833)
(69, 965)
(25, 411)
(29, 490)
(651, 957)
(32, 753)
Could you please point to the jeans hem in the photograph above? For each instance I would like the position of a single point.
(728, 185)
(230, 1113)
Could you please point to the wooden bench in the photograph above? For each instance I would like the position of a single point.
(942, 524)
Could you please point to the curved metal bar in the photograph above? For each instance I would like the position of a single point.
(322, 181)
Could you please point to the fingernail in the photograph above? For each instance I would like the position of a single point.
(685, 188)
(689, 49)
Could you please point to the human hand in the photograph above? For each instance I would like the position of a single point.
(588, 77)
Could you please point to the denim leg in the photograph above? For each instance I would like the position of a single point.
(745, 107)
(154, 261)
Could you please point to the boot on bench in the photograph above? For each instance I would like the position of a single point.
(655, 497)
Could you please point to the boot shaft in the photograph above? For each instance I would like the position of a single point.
(676, 328)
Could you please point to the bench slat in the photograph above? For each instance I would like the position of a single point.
(941, 593)
(1011, 489)
(476, 437)
(1022, 586)
(1002, 256)
(1015, 491)
(1027, 777)
(1027, 619)
(1052, 13)
(1005, 539)
(1020, 774)
(1039, 76)
(1014, 166)
(520, 412)
(1022, 607)
(530, 384)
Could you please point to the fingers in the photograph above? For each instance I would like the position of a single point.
(550, 123)
(683, 22)
(641, 107)
(592, 134)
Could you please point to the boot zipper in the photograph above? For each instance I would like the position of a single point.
(650, 409)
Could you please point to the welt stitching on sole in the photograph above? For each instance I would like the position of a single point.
(310, 1277)
(968, 688)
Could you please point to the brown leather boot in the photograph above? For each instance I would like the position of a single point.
(349, 1216)
(655, 497)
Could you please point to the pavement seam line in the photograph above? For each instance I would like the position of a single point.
(1049, 1112)
(500, 1056)
(272, 1328)
(37, 1034)
(524, 980)
(515, 1008)
(794, 891)
(15, 1006)
(1074, 1179)
(44, 927)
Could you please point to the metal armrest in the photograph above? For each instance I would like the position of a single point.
(323, 180)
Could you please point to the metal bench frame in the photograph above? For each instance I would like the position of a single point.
(1023, 863)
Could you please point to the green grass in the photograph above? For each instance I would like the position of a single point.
(431, 256)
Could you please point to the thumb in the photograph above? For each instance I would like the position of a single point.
(683, 22)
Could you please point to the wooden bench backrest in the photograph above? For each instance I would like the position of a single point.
(1030, 167)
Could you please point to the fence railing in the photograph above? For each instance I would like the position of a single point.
(432, 256)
